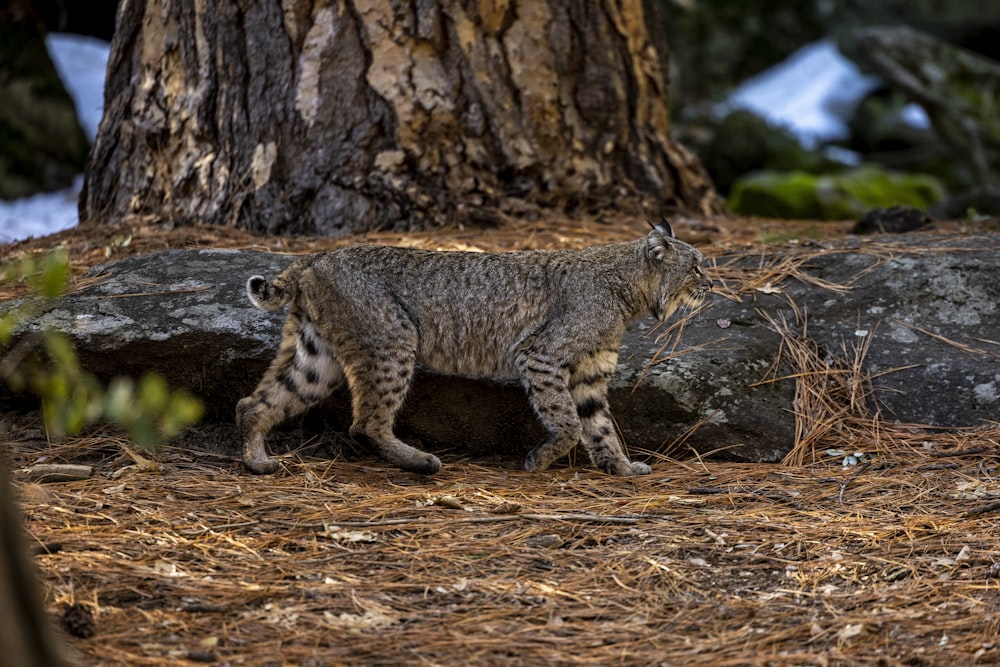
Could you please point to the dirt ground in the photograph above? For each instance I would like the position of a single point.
(333, 561)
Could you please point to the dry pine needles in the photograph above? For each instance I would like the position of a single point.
(338, 562)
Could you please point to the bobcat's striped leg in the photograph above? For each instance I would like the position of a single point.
(303, 373)
(378, 388)
(544, 381)
(588, 385)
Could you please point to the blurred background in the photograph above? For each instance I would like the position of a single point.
(891, 94)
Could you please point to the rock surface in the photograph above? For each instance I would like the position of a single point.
(185, 314)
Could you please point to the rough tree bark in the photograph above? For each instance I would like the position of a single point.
(330, 116)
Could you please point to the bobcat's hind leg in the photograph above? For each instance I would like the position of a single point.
(303, 373)
(545, 384)
(378, 388)
(588, 386)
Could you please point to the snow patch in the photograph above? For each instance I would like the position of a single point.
(81, 63)
(811, 93)
(39, 215)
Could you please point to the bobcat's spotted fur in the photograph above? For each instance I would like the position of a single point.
(367, 315)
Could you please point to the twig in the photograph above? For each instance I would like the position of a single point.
(57, 472)
(129, 295)
(704, 491)
(777, 497)
(936, 466)
(225, 526)
(984, 509)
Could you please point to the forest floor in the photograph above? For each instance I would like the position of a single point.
(893, 561)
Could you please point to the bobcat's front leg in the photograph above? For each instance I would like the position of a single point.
(545, 383)
(588, 385)
(602, 443)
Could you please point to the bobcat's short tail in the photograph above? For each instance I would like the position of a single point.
(266, 295)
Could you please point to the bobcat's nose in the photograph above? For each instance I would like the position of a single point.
(704, 282)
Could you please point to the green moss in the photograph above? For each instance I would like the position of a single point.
(842, 196)
(776, 195)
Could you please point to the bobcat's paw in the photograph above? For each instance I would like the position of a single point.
(425, 464)
(265, 466)
(636, 468)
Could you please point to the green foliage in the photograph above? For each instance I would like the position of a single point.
(48, 278)
(150, 411)
(46, 364)
(70, 397)
(972, 215)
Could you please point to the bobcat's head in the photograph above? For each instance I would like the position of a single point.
(682, 282)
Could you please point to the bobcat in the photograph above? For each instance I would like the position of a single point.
(367, 315)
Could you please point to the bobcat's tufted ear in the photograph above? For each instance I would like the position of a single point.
(664, 228)
(660, 239)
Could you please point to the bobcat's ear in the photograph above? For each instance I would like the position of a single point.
(664, 228)
(660, 239)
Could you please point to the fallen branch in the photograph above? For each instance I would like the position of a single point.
(988, 508)
(56, 472)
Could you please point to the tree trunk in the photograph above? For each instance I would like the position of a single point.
(327, 116)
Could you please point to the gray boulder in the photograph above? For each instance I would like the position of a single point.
(184, 313)
(927, 307)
